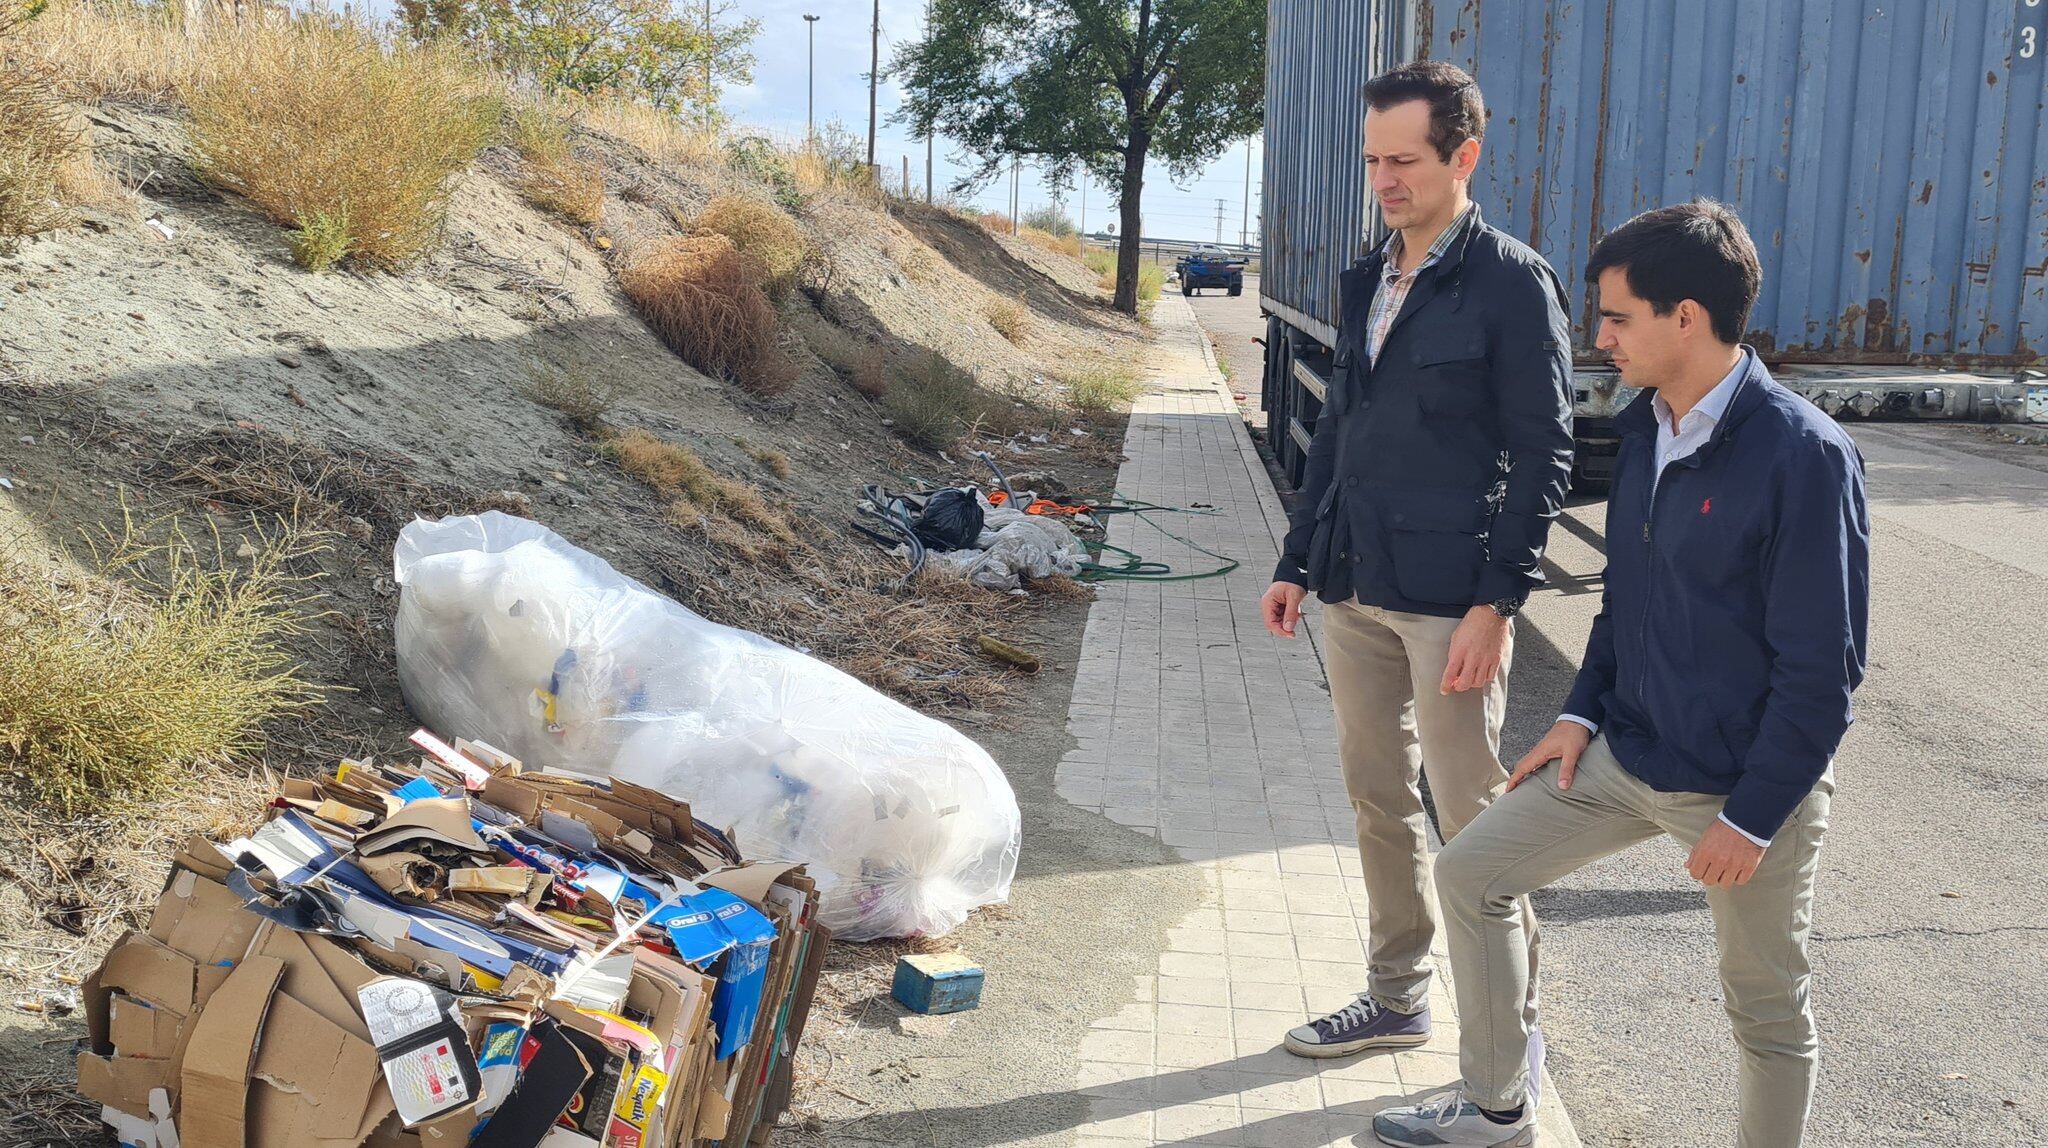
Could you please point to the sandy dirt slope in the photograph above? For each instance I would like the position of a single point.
(200, 372)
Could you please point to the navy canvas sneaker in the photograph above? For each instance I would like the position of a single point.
(1358, 1026)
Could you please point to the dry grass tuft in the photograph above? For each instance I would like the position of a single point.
(573, 390)
(38, 145)
(101, 50)
(1098, 390)
(315, 123)
(872, 371)
(763, 233)
(705, 301)
(1103, 263)
(1009, 317)
(551, 177)
(108, 693)
(996, 222)
(675, 472)
(1068, 245)
(83, 180)
(774, 461)
(662, 136)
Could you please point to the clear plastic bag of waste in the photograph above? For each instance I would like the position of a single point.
(508, 633)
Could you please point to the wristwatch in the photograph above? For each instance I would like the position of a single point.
(1506, 607)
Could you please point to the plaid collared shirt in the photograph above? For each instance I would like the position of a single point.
(1394, 286)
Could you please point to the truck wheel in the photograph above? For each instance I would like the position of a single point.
(1186, 290)
(1236, 289)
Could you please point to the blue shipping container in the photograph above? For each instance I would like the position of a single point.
(1891, 158)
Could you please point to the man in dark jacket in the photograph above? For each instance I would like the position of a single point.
(1714, 691)
(1439, 461)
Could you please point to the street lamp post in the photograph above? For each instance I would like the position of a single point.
(811, 79)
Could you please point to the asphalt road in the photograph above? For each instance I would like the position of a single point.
(1930, 944)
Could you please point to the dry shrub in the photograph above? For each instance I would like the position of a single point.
(663, 136)
(675, 472)
(108, 692)
(763, 233)
(1068, 245)
(1009, 317)
(1099, 390)
(311, 118)
(112, 50)
(705, 301)
(38, 142)
(996, 222)
(934, 402)
(872, 372)
(551, 177)
(84, 180)
(818, 172)
(770, 375)
(573, 390)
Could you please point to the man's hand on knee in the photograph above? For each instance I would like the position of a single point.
(1723, 858)
(1565, 742)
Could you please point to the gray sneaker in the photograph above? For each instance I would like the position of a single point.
(1360, 1025)
(1449, 1118)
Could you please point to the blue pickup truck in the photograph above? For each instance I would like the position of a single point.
(1209, 266)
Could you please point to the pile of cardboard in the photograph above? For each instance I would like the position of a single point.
(458, 953)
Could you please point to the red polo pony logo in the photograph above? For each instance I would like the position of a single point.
(1707, 506)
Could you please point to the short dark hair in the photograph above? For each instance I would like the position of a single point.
(1456, 113)
(1698, 251)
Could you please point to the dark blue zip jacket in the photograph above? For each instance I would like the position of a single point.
(1732, 629)
(1434, 475)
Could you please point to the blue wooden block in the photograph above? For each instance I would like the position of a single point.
(937, 983)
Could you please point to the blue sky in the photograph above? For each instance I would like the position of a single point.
(775, 102)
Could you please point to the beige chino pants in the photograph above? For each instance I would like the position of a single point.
(1393, 725)
(1539, 833)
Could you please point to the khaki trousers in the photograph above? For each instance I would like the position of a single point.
(1539, 833)
(1393, 725)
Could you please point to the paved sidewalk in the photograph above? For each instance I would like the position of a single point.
(1196, 725)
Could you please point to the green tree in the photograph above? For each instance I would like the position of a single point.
(1090, 85)
(641, 48)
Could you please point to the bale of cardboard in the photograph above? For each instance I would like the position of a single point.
(507, 630)
(458, 952)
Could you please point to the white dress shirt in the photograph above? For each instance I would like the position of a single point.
(1674, 443)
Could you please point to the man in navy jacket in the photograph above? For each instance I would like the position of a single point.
(1439, 462)
(1714, 691)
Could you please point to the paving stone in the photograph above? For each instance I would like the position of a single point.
(1194, 725)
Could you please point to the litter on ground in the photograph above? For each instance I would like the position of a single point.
(458, 952)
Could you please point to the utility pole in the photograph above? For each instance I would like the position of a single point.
(1219, 222)
(1016, 162)
(929, 132)
(709, 100)
(874, 76)
(811, 82)
(906, 177)
(1244, 231)
(1084, 205)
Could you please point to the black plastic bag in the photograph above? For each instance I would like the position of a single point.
(951, 520)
